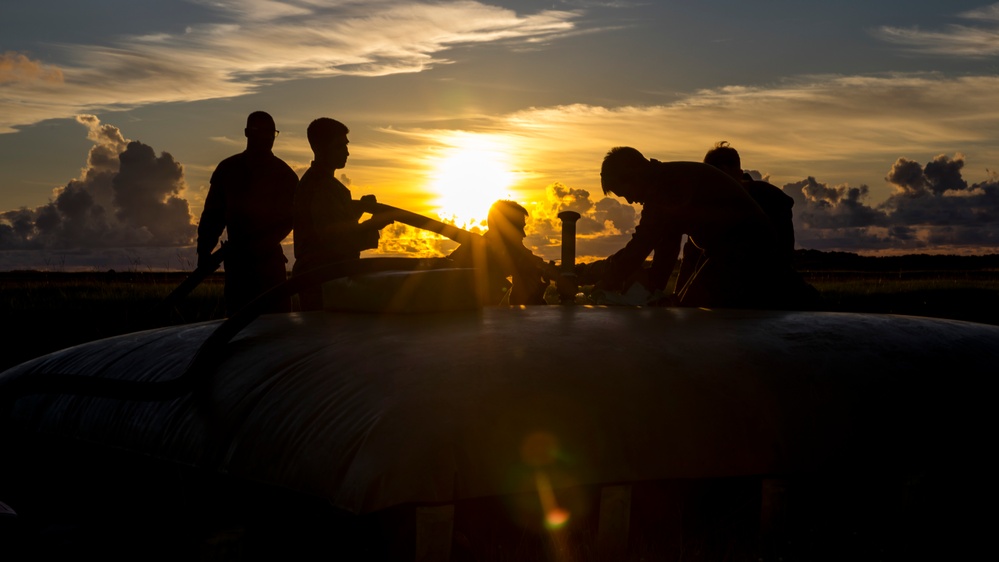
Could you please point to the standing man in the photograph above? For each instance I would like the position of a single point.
(326, 217)
(250, 197)
(742, 266)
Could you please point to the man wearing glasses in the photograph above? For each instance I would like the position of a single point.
(250, 197)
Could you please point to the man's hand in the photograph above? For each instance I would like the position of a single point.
(209, 259)
(367, 203)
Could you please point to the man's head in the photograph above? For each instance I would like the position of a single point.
(260, 131)
(328, 139)
(509, 219)
(726, 159)
(625, 172)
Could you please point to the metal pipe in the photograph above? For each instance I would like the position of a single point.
(568, 286)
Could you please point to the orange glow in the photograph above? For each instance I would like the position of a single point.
(471, 174)
(555, 516)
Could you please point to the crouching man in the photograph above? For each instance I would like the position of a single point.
(743, 264)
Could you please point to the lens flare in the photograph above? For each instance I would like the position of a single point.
(555, 516)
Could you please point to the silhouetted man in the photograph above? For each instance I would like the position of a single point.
(742, 265)
(501, 253)
(326, 217)
(772, 200)
(250, 197)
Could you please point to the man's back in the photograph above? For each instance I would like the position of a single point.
(250, 197)
(326, 227)
(709, 206)
(777, 205)
(252, 194)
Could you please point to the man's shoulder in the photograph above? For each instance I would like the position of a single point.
(760, 189)
(684, 173)
(228, 166)
(281, 164)
(684, 165)
(317, 176)
(238, 159)
(322, 180)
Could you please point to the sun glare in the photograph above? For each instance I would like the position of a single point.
(469, 176)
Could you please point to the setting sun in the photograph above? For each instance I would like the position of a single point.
(469, 176)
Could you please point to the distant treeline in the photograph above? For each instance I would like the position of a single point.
(818, 261)
(812, 260)
(804, 260)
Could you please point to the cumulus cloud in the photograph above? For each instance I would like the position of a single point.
(402, 240)
(603, 227)
(126, 196)
(274, 41)
(979, 39)
(933, 209)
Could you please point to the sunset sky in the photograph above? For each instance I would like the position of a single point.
(880, 118)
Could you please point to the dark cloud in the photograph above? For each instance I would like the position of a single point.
(941, 175)
(818, 206)
(907, 176)
(933, 208)
(127, 196)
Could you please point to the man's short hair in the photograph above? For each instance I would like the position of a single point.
(621, 162)
(723, 157)
(507, 212)
(258, 118)
(324, 130)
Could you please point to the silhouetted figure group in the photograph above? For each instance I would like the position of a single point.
(739, 234)
(738, 250)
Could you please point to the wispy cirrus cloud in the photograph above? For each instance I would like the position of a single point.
(18, 68)
(980, 38)
(841, 133)
(846, 129)
(256, 43)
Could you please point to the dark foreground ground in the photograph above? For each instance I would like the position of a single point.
(930, 509)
